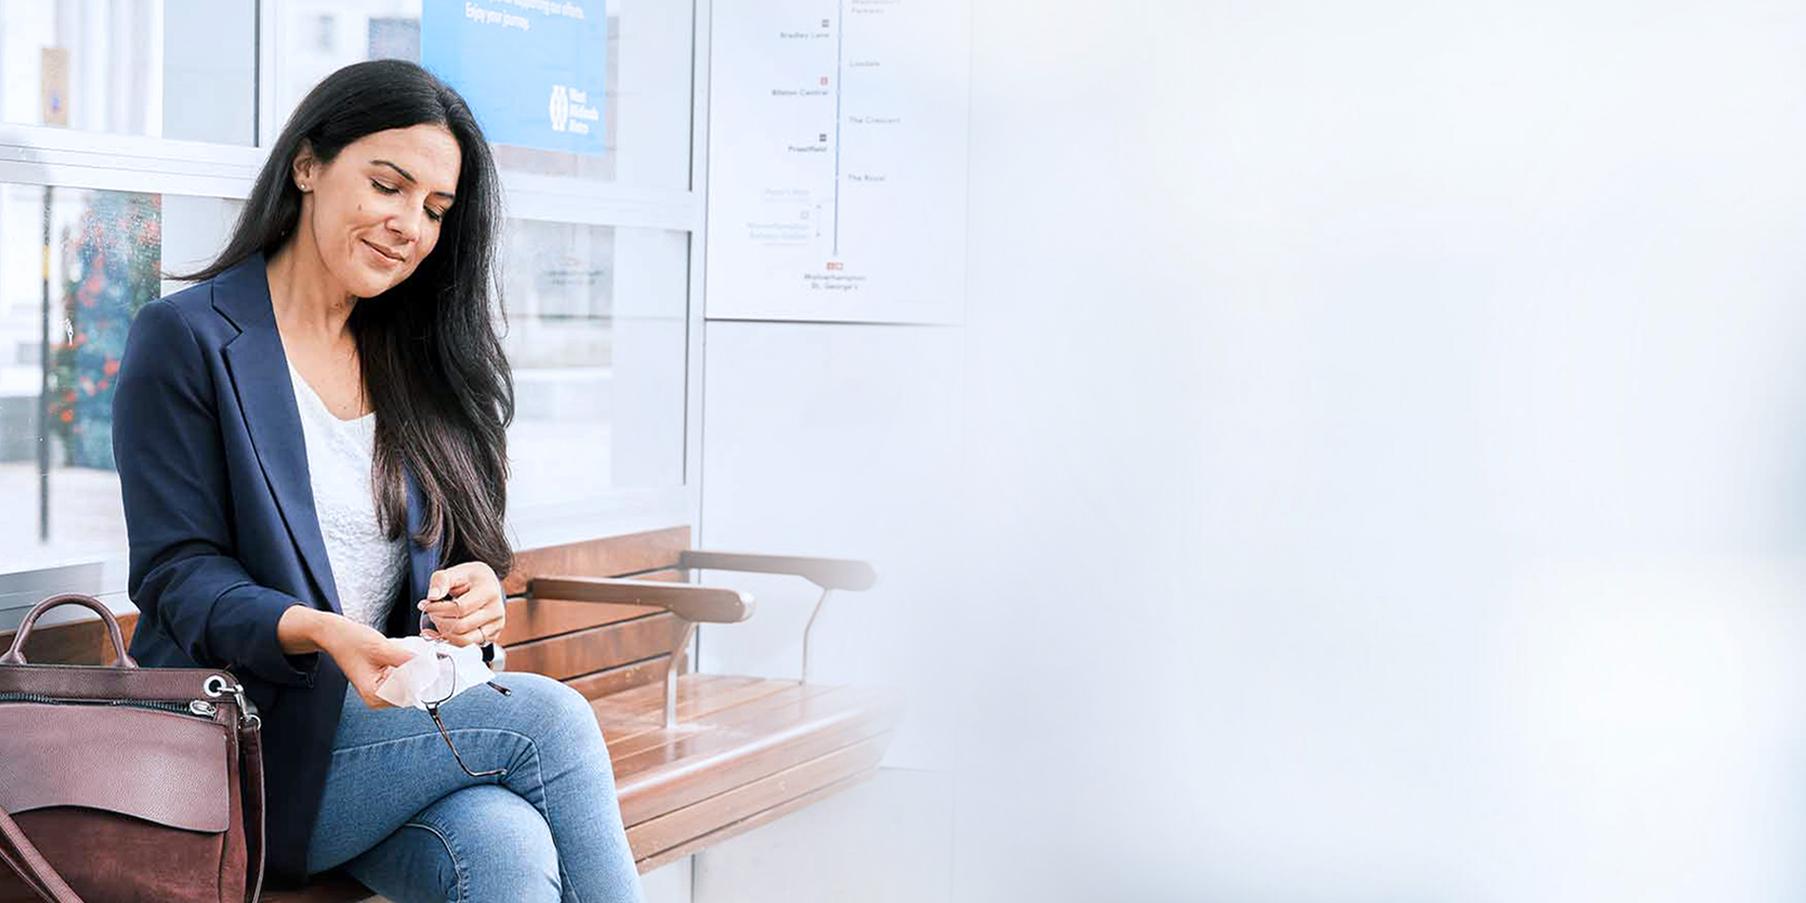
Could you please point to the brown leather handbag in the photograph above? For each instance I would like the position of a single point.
(125, 783)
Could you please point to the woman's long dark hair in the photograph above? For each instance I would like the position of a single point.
(432, 362)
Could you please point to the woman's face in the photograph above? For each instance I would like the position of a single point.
(376, 210)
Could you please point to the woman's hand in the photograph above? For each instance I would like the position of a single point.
(466, 604)
(365, 656)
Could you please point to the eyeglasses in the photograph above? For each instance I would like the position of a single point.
(448, 676)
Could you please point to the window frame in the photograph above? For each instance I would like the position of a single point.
(65, 158)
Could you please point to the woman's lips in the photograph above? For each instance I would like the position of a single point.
(383, 256)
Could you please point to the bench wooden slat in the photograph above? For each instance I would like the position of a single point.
(733, 829)
(697, 695)
(791, 706)
(694, 766)
(740, 717)
(616, 556)
(628, 676)
(653, 836)
(598, 648)
(538, 619)
(85, 642)
(691, 702)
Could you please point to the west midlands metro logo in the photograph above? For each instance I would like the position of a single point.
(571, 110)
(560, 108)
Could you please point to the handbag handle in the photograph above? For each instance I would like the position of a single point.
(16, 654)
(16, 850)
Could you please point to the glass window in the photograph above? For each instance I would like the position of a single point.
(56, 453)
(596, 334)
(644, 114)
(62, 332)
(598, 315)
(596, 337)
(159, 68)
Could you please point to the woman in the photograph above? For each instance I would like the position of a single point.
(310, 445)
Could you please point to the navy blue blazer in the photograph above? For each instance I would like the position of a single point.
(220, 518)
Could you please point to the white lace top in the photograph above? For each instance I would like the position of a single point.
(367, 566)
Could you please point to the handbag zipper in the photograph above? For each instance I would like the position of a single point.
(199, 708)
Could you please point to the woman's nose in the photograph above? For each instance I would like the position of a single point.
(406, 225)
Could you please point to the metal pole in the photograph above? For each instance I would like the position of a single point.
(671, 676)
(44, 384)
(809, 629)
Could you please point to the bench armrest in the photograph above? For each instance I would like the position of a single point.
(710, 604)
(827, 573)
(692, 603)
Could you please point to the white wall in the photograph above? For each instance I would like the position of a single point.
(1403, 403)
(833, 439)
(837, 439)
(881, 841)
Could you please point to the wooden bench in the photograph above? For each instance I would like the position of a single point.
(697, 758)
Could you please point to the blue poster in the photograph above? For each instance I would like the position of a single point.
(532, 70)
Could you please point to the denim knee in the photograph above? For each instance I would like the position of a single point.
(501, 845)
(564, 716)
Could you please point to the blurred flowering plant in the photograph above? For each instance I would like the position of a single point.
(112, 258)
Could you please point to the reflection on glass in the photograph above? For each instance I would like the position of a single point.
(646, 103)
(62, 333)
(595, 334)
(161, 68)
(110, 269)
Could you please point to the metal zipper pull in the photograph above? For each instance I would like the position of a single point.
(202, 707)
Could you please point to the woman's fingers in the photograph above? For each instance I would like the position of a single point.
(472, 628)
(452, 580)
(466, 597)
(466, 610)
(451, 614)
(465, 604)
(453, 622)
(460, 579)
(470, 637)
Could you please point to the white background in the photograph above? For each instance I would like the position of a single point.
(1382, 474)
(1412, 400)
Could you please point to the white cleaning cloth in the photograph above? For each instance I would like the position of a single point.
(428, 678)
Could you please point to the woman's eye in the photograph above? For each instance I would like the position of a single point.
(434, 215)
(383, 188)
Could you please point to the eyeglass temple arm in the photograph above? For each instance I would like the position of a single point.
(692, 604)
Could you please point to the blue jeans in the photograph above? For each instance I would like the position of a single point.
(402, 817)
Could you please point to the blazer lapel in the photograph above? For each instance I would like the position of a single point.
(259, 370)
